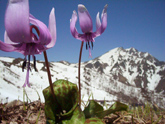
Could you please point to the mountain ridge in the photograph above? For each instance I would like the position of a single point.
(127, 75)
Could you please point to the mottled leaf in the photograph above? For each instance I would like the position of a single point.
(67, 99)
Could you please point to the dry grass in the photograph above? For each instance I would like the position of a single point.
(147, 114)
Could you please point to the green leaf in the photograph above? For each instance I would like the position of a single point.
(93, 121)
(77, 117)
(96, 110)
(92, 108)
(67, 99)
(117, 106)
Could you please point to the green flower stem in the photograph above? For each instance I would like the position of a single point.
(82, 43)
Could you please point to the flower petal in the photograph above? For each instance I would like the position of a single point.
(84, 19)
(73, 29)
(6, 47)
(44, 36)
(98, 23)
(52, 29)
(7, 39)
(21, 48)
(17, 21)
(103, 25)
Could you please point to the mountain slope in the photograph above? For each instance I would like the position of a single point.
(120, 74)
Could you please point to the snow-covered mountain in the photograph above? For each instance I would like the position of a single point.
(120, 74)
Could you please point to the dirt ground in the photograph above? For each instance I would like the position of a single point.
(17, 112)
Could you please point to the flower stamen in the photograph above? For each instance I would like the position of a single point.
(86, 46)
(34, 60)
(92, 44)
(89, 45)
(24, 64)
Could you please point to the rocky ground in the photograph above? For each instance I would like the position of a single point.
(17, 112)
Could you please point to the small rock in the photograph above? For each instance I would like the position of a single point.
(32, 108)
(13, 123)
(163, 116)
(13, 103)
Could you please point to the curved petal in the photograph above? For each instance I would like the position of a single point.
(103, 25)
(98, 23)
(7, 39)
(104, 11)
(17, 21)
(44, 36)
(52, 29)
(6, 47)
(73, 29)
(84, 19)
(21, 48)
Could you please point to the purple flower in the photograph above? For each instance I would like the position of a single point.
(87, 25)
(19, 35)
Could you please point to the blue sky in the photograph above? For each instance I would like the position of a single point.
(131, 23)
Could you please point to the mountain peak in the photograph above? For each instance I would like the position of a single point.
(132, 50)
(117, 49)
(118, 53)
